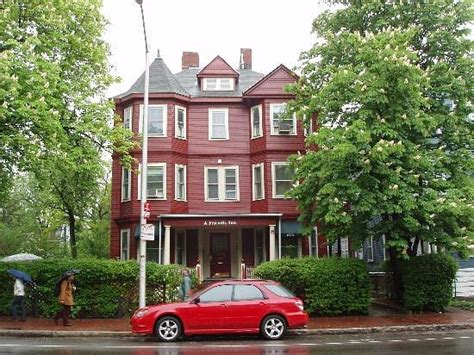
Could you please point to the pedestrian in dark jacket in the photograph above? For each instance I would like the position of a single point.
(66, 299)
(18, 299)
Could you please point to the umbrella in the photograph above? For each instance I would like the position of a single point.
(20, 275)
(21, 257)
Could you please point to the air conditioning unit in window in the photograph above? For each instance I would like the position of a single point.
(155, 193)
(284, 128)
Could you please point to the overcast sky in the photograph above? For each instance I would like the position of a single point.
(277, 31)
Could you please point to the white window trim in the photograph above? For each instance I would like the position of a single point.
(274, 195)
(165, 121)
(226, 110)
(260, 121)
(272, 129)
(176, 167)
(370, 245)
(176, 122)
(128, 243)
(140, 181)
(127, 113)
(219, 81)
(221, 183)
(308, 130)
(129, 185)
(262, 166)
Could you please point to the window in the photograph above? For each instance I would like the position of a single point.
(180, 122)
(282, 176)
(256, 121)
(180, 182)
(126, 178)
(369, 249)
(218, 123)
(217, 294)
(218, 84)
(156, 120)
(127, 118)
(124, 244)
(280, 290)
(314, 242)
(247, 293)
(308, 127)
(260, 250)
(289, 246)
(280, 125)
(222, 183)
(257, 177)
(156, 181)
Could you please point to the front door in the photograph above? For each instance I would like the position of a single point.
(220, 254)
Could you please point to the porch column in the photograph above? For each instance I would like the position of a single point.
(166, 246)
(272, 242)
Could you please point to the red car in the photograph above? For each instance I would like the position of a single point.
(229, 307)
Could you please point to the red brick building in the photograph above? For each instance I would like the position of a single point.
(217, 168)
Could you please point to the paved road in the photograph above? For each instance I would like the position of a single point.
(460, 342)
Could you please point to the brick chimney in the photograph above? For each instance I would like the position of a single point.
(245, 58)
(190, 60)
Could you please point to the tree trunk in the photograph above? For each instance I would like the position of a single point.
(72, 233)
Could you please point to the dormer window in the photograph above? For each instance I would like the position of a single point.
(218, 84)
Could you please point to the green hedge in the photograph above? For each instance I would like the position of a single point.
(105, 288)
(328, 286)
(428, 282)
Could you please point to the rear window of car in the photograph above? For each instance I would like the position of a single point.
(279, 290)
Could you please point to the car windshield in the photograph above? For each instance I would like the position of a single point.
(279, 290)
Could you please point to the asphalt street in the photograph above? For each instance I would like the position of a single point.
(432, 343)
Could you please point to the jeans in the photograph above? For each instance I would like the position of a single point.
(18, 301)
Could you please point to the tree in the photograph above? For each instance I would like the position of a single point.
(391, 83)
(55, 120)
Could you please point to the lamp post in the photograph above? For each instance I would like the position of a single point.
(142, 261)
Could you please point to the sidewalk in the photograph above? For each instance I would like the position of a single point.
(380, 320)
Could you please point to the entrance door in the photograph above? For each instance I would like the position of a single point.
(220, 254)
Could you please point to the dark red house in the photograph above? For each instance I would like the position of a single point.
(217, 168)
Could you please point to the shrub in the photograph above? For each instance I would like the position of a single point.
(328, 286)
(105, 288)
(428, 282)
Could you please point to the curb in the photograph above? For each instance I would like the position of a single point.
(302, 332)
(388, 329)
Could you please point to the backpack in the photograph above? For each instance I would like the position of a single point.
(57, 287)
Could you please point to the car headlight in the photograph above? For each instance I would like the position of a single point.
(300, 305)
(141, 312)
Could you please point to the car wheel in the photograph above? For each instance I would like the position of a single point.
(273, 327)
(168, 329)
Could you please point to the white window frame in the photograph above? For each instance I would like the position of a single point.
(262, 167)
(219, 84)
(273, 132)
(176, 128)
(274, 165)
(226, 112)
(370, 246)
(165, 120)
(127, 231)
(308, 130)
(127, 117)
(221, 183)
(129, 187)
(260, 121)
(176, 168)
(140, 180)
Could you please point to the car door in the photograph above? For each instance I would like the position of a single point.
(247, 307)
(212, 311)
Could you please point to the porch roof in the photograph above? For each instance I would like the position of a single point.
(221, 220)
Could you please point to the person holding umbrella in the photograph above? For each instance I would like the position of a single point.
(19, 292)
(65, 296)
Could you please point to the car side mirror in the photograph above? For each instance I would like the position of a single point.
(196, 300)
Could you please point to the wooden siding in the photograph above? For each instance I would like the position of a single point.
(272, 84)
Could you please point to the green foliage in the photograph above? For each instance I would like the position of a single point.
(105, 288)
(428, 282)
(391, 85)
(467, 304)
(328, 286)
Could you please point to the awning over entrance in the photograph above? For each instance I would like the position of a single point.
(230, 220)
(290, 227)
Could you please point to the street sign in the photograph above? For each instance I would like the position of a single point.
(148, 232)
